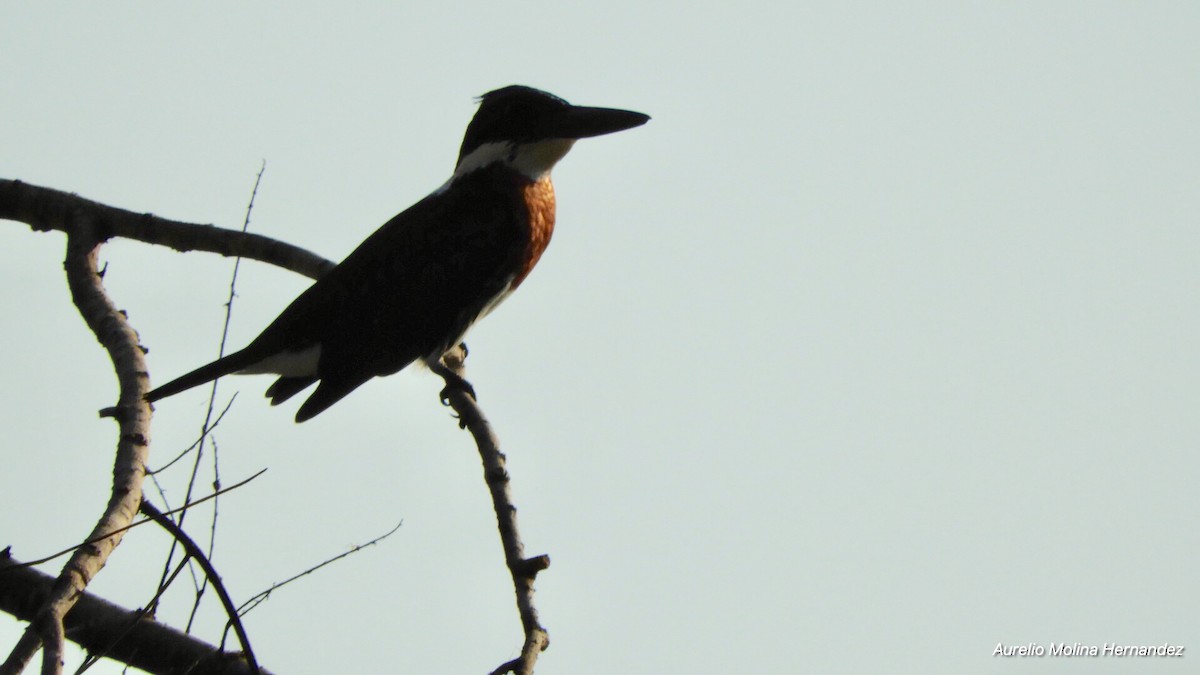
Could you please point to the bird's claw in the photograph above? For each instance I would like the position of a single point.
(455, 382)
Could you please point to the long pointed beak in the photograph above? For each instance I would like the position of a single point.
(584, 122)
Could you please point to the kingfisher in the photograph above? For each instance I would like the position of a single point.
(414, 287)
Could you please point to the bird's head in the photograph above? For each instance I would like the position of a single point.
(530, 130)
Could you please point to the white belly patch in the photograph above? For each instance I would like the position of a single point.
(300, 363)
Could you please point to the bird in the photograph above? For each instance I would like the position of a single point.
(412, 289)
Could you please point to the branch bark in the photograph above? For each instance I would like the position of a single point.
(129, 468)
(100, 626)
(210, 572)
(45, 209)
(523, 570)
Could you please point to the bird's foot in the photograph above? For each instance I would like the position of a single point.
(455, 382)
(448, 367)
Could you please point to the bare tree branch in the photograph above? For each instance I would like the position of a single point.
(260, 597)
(88, 224)
(212, 495)
(524, 570)
(195, 444)
(45, 209)
(100, 626)
(207, 423)
(129, 468)
(210, 573)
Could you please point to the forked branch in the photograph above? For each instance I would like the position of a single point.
(133, 446)
(122, 634)
(88, 224)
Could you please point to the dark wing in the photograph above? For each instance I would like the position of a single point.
(409, 290)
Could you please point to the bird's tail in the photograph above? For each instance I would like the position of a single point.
(207, 373)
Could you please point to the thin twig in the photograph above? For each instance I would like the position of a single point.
(45, 209)
(208, 415)
(218, 587)
(95, 624)
(88, 224)
(255, 600)
(94, 657)
(165, 582)
(132, 525)
(195, 443)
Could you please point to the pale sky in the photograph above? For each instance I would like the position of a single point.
(875, 348)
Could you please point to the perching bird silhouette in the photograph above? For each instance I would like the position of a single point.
(413, 288)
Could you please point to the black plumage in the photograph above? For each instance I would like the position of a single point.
(412, 289)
